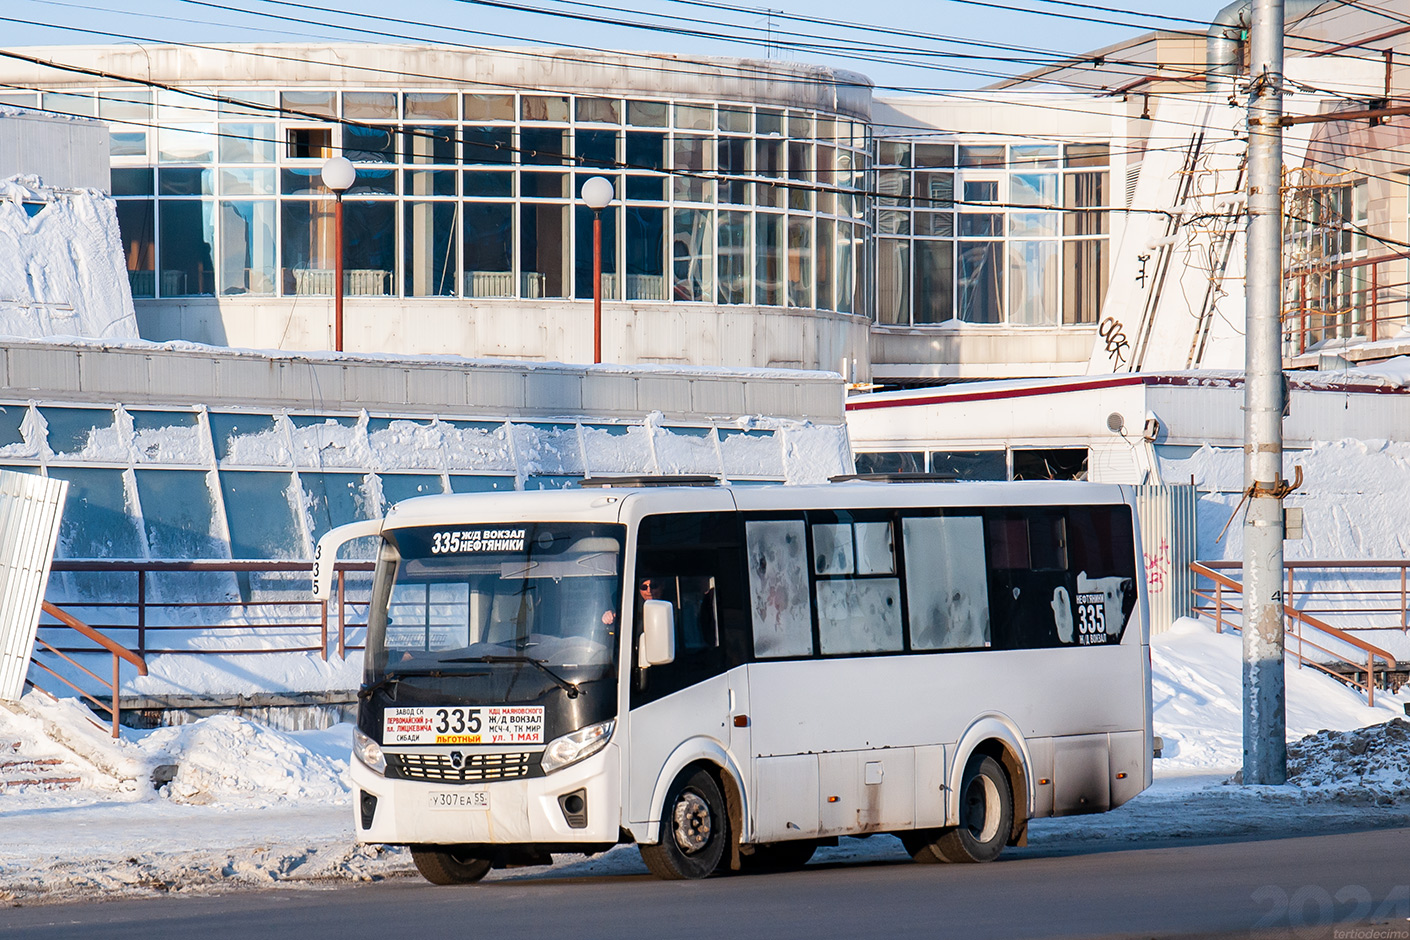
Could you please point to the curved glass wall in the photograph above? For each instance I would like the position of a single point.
(474, 195)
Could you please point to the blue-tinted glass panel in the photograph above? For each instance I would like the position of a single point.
(178, 512)
(399, 486)
(154, 420)
(480, 484)
(308, 421)
(489, 183)
(226, 429)
(616, 430)
(260, 515)
(70, 428)
(96, 523)
(131, 181)
(363, 144)
(11, 417)
(334, 499)
(185, 181)
(583, 280)
(377, 181)
(488, 144)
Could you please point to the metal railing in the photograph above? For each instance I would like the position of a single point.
(1299, 622)
(1312, 587)
(119, 653)
(1354, 298)
(156, 621)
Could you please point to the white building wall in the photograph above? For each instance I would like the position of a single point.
(64, 152)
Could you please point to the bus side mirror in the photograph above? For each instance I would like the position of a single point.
(658, 633)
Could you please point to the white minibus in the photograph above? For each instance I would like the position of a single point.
(731, 676)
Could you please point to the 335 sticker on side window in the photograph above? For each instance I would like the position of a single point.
(1091, 619)
(462, 724)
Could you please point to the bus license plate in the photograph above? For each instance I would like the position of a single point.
(459, 799)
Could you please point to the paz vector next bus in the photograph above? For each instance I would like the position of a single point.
(730, 677)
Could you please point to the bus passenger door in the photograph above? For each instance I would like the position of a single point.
(686, 706)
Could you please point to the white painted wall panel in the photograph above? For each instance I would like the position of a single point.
(30, 508)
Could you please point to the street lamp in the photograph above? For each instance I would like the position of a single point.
(338, 175)
(597, 194)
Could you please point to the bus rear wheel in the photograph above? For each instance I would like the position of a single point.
(694, 830)
(986, 818)
(448, 864)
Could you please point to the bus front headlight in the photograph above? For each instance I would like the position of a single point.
(369, 752)
(577, 745)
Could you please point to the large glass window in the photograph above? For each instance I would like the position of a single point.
(692, 253)
(369, 247)
(306, 246)
(1027, 245)
(768, 259)
(543, 250)
(136, 224)
(470, 195)
(582, 276)
(187, 247)
(429, 267)
(247, 248)
(735, 258)
(646, 253)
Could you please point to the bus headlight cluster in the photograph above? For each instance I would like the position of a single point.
(368, 751)
(573, 747)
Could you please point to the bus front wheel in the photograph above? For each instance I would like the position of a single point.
(448, 864)
(694, 830)
(986, 818)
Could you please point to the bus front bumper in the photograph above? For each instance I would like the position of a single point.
(522, 812)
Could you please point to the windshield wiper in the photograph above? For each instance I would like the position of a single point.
(390, 680)
(561, 682)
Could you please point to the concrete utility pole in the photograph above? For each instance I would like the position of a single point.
(1265, 717)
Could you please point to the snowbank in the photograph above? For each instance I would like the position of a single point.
(61, 264)
(1197, 692)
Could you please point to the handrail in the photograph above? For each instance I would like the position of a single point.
(1372, 652)
(107, 643)
(292, 608)
(119, 653)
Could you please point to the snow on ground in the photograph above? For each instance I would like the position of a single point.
(252, 807)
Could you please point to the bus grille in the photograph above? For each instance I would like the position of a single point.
(475, 768)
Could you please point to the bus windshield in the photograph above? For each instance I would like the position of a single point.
(453, 599)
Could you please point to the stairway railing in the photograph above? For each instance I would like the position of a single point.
(119, 653)
(1303, 621)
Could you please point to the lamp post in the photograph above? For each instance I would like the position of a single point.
(338, 175)
(597, 194)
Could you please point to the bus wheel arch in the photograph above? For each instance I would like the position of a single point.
(995, 737)
(694, 831)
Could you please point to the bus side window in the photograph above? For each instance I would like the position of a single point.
(1030, 587)
(694, 561)
(947, 584)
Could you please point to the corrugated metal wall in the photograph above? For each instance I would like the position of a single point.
(30, 508)
(1167, 515)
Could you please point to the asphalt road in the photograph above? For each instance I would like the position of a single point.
(1294, 887)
